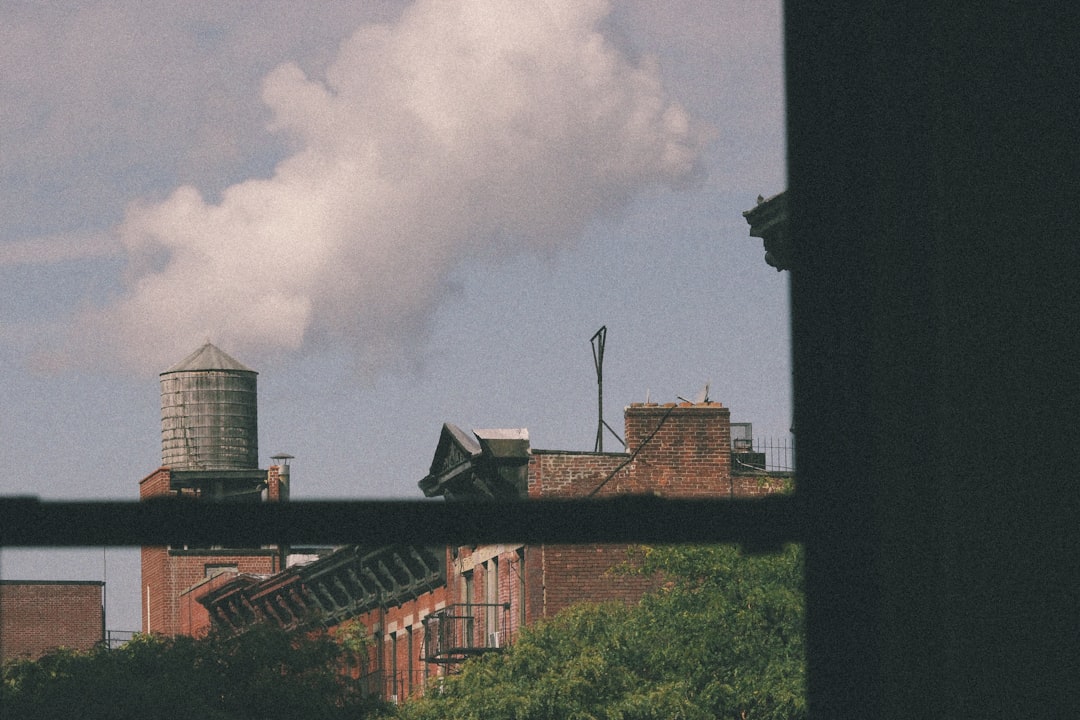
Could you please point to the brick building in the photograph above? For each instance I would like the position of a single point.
(419, 612)
(170, 574)
(37, 616)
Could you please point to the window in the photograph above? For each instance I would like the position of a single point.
(411, 660)
(467, 588)
(521, 586)
(212, 569)
(491, 600)
(393, 665)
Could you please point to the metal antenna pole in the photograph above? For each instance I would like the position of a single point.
(597, 342)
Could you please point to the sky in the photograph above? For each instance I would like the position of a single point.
(399, 214)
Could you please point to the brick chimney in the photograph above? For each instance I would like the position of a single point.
(683, 450)
(277, 478)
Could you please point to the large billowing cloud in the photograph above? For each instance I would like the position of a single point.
(465, 130)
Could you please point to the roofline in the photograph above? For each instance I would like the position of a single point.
(100, 583)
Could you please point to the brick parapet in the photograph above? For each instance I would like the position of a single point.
(155, 484)
(566, 475)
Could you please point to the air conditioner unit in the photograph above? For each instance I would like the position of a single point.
(742, 437)
(494, 640)
(394, 699)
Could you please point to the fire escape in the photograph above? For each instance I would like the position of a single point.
(458, 632)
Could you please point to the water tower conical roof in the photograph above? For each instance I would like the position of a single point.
(208, 357)
(209, 413)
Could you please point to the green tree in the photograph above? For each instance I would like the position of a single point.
(265, 673)
(744, 653)
(721, 638)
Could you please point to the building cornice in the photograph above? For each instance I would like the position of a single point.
(768, 220)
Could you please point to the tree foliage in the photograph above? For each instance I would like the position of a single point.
(265, 673)
(722, 638)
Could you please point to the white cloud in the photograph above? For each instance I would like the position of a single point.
(463, 130)
(106, 100)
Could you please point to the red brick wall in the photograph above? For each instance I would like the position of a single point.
(518, 566)
(378, 672)
(687, 453)
(587, 573)
(155, 484)
(36, 616)
(681, 451)
(401, 622)
(673, 450)
(166, 574)
(547, 578)
(194, 617)
(571, 474)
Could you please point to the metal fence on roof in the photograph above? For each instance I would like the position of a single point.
(779, 453)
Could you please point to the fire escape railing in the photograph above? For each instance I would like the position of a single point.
(457, 632)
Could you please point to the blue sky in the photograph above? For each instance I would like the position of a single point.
(399, 214)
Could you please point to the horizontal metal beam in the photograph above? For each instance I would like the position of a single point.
(766, 522)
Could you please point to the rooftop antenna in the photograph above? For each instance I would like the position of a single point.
(701, 397)
(597, 342)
